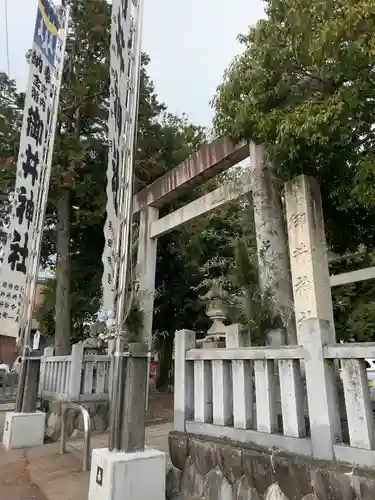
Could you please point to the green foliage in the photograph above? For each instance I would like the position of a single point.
(253, 307)
(304, 86)
(10, 127)
(353, 304)
(84, 296)
(222, 246)
(81, 162)
(45, 313)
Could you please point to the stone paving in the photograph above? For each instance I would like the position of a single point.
(156, 436)
(42, 474)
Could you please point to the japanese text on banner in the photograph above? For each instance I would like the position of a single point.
(31, 167)
(121, 39)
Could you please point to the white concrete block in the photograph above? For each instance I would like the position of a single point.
(119, 475)
(23, 430)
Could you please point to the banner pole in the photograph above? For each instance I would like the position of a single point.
(30, 297)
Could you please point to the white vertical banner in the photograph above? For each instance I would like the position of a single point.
(32, 167)
(119, 122)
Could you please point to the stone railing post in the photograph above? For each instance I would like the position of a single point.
(75, 371)
(242, 379)
(183, 379)
(48, 352)
(276, 338)
(213, 396)
(111, 352)
(325, 426)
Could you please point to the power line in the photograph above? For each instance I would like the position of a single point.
(7, 35)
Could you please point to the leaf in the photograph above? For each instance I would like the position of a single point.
(304, 86)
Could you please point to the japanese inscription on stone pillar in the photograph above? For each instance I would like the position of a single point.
(308, 251)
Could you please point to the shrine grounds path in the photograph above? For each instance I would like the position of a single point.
(42, 474)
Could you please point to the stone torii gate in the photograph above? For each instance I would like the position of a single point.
(307, 288)
(209, 161)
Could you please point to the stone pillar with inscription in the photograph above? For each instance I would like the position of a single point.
(308, 252)
(272, 240)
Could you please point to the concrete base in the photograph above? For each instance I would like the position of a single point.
(135, 476)
(23, 430)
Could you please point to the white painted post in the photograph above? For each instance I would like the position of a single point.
(242, 381)
(75, 371)
(276, 338)
(325, 425)
(146, 268)
(292, 398)
(183, 379)
(65, 377)
(48, 351)
(111, 346)
(202, 391)
(88, 376)
(265, 386)
(358, 403)
(111, 350)
(59, 377)
(100, 377)
(308, 252)
(222, 399)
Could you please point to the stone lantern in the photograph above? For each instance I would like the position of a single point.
(217, 311)
(94, 344)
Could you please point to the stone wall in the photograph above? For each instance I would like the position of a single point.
(211, 469)
(98, 413)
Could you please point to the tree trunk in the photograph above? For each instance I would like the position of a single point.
(165, 362)
(62, 309)
(272, 240)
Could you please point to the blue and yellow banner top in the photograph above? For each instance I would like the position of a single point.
(46, 30)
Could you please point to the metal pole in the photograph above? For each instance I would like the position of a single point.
(87, 432)
(30, 291)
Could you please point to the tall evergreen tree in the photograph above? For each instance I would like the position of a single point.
(79, 145)
(11, 103)
(304, 85)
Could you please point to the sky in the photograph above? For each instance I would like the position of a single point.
(190, 42)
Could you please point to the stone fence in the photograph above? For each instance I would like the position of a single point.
(279, 400)
(78, 377)
(75, 377)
